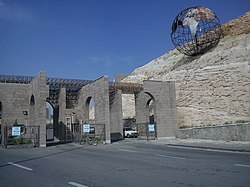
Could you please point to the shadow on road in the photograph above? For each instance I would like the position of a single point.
(40, 157)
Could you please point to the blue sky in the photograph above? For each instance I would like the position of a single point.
(85, 39)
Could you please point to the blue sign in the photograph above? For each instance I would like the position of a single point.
(151, 127)
(16, 131)
(86, 128)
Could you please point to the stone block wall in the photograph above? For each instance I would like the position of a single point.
(16, 98)
(140, 107)
(61, 124)
(116, 123)
(119, 77)
(238, 132)
(40, 91)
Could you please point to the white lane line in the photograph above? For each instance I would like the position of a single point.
(20, 166)
(167, 156)
(126, 150)
(242, 165)
(76, 184)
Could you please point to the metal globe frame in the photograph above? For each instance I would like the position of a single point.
(195, 30)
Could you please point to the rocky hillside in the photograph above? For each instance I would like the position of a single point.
(212, 88)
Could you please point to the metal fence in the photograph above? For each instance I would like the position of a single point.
(21, 136)
(89, 133)
(146, 131)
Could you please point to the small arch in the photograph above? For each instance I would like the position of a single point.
(150, 95)
(151, 109)
(31, 113)
(50, 133)
(32, 100)
(1, 110)
(90, 109)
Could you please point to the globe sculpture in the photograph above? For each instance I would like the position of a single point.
(195, 30)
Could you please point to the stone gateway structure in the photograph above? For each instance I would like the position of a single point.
(208, 92)
(77, 102)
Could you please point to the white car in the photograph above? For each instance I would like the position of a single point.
(129, 132)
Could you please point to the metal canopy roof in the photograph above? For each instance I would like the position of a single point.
(69, 84)
(72, 87)
(15, 79)
(54, 83)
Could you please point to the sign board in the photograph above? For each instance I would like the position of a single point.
(151, 127)
(16, 131)
(86, 127)
(49, 134)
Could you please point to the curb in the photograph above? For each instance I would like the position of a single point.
(212, 148)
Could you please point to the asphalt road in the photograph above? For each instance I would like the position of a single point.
(122, 164)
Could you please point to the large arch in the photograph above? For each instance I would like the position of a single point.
(151, 110)
(49, 121)
(49, 113)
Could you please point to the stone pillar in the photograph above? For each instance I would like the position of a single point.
(116, 125)
(40, 91)
(140, 108)
(61, 126)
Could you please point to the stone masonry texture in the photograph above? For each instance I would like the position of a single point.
(16, 98)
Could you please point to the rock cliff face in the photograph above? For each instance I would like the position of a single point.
(212, 88)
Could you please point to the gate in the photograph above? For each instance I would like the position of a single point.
(89, 133)
(21, 136)
(146, 131)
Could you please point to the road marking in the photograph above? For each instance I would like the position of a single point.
(242, 165)
(76, 184)
(175, 157)
(126, 150)
(20, 166)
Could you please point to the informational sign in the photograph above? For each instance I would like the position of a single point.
(49, 134)
(16, 131)
(86, 127)
(151, 127)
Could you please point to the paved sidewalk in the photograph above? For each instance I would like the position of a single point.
(205, 144)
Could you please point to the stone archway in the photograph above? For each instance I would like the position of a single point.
(160, 107)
